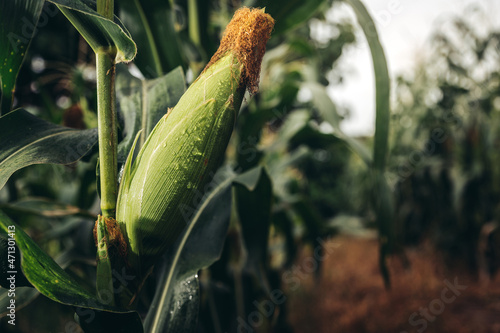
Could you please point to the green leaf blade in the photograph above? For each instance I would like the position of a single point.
(193, 252)
(382, 84)
(254, 211)
(152, 27)
(142, 103)
(102, 34)
(19, 18)
(382, 196)
(289, 13)
(28, 140)
(45, 274)
(327, 110)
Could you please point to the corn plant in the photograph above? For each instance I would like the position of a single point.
(168, 191)
(450, 122)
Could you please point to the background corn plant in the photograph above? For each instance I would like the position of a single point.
(448, 115)
(221, 261)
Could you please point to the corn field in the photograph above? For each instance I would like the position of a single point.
(181, 166)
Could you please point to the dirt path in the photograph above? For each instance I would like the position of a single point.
(350, 296)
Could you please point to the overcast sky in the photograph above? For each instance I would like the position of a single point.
(404, 27)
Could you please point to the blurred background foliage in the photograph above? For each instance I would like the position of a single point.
(442, 164)
(444, 156)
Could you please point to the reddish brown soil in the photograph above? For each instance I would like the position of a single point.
(349, 295)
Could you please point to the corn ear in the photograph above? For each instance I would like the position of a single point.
(188, 143)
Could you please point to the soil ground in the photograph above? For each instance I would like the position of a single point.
(349, 294)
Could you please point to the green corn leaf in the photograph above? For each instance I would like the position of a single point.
(9, 252)
(103, 35)
(19, 19)
(43, 207)
(249, 179)
(151, 24)
(142, 103)
(294, 122)
(28, 140)
(24, 296)
(45, 274)
(328, 111)
(290, 13)
(284, 223)
(254, 212)
(382, 84)
(279, 165)
(381, 196)
(199, 246)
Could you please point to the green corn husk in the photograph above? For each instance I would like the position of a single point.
(186, 146)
